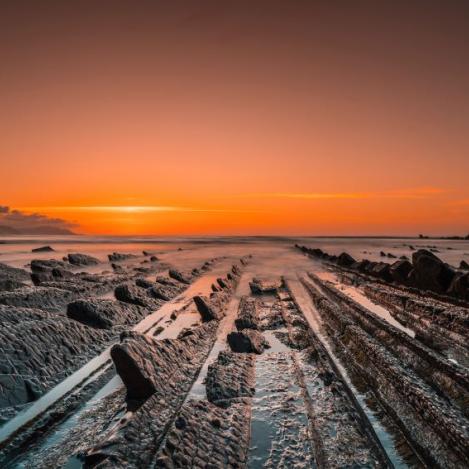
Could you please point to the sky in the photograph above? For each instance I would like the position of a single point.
(237, 117)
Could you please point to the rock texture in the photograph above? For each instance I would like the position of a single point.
(82, 259)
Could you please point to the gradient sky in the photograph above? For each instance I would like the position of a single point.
(237, 117)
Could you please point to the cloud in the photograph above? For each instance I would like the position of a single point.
(20, 222)
(418, 193)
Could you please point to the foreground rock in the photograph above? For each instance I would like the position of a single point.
(159, 372)
(104, 314)
(259, 286)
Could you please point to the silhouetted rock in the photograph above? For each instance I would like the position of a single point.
(143, 283)
(82, 259)
(43, 249)
(430, 272)
(400, 270)
(46, 265)
(247, 341)
(464, 265)
(345, 260)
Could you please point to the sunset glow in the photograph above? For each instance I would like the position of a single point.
(281, 118)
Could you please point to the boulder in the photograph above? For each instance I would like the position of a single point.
(208, 311)
(345, 260)
(163, 292)
(144, 283)
(430, 272)
(400, 271)
(247, 341)
(179, 276)
(82, 259)
(464, 265)
(43, 249)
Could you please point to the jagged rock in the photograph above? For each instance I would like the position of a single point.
(247, 341)
(164, 292)
(207, 309)
(134, 295)
(430, 272)
(147, 365)
(39, 349)
(248, 316)
(49, 299)
(464, 265)
(345, 260)
(82, 259)
(179, 276)
(46, 265)
(10, 285)
(117, 257)
(400, 271)
(104, 314)
(12, 278)
(43, 249)
(162, 280)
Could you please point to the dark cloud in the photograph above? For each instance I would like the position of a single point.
(17, 222)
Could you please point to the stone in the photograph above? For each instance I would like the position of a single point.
(400, 271)
(464, 265)
(43, 249)
(134, 295)
(208, 311)
(247, 316)
(117, 257)
(179, 276)
(247, 341)
(345, 260)
(430, 272)
(82, 259)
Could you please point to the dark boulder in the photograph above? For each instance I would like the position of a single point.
(247, 341)
(464, 265)
(430, 272)
(382, 270)
(82, 259)
(43, 249)
(400, 271)
(345, 260)
(208, 311)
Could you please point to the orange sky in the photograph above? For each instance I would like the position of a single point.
(237, 117)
